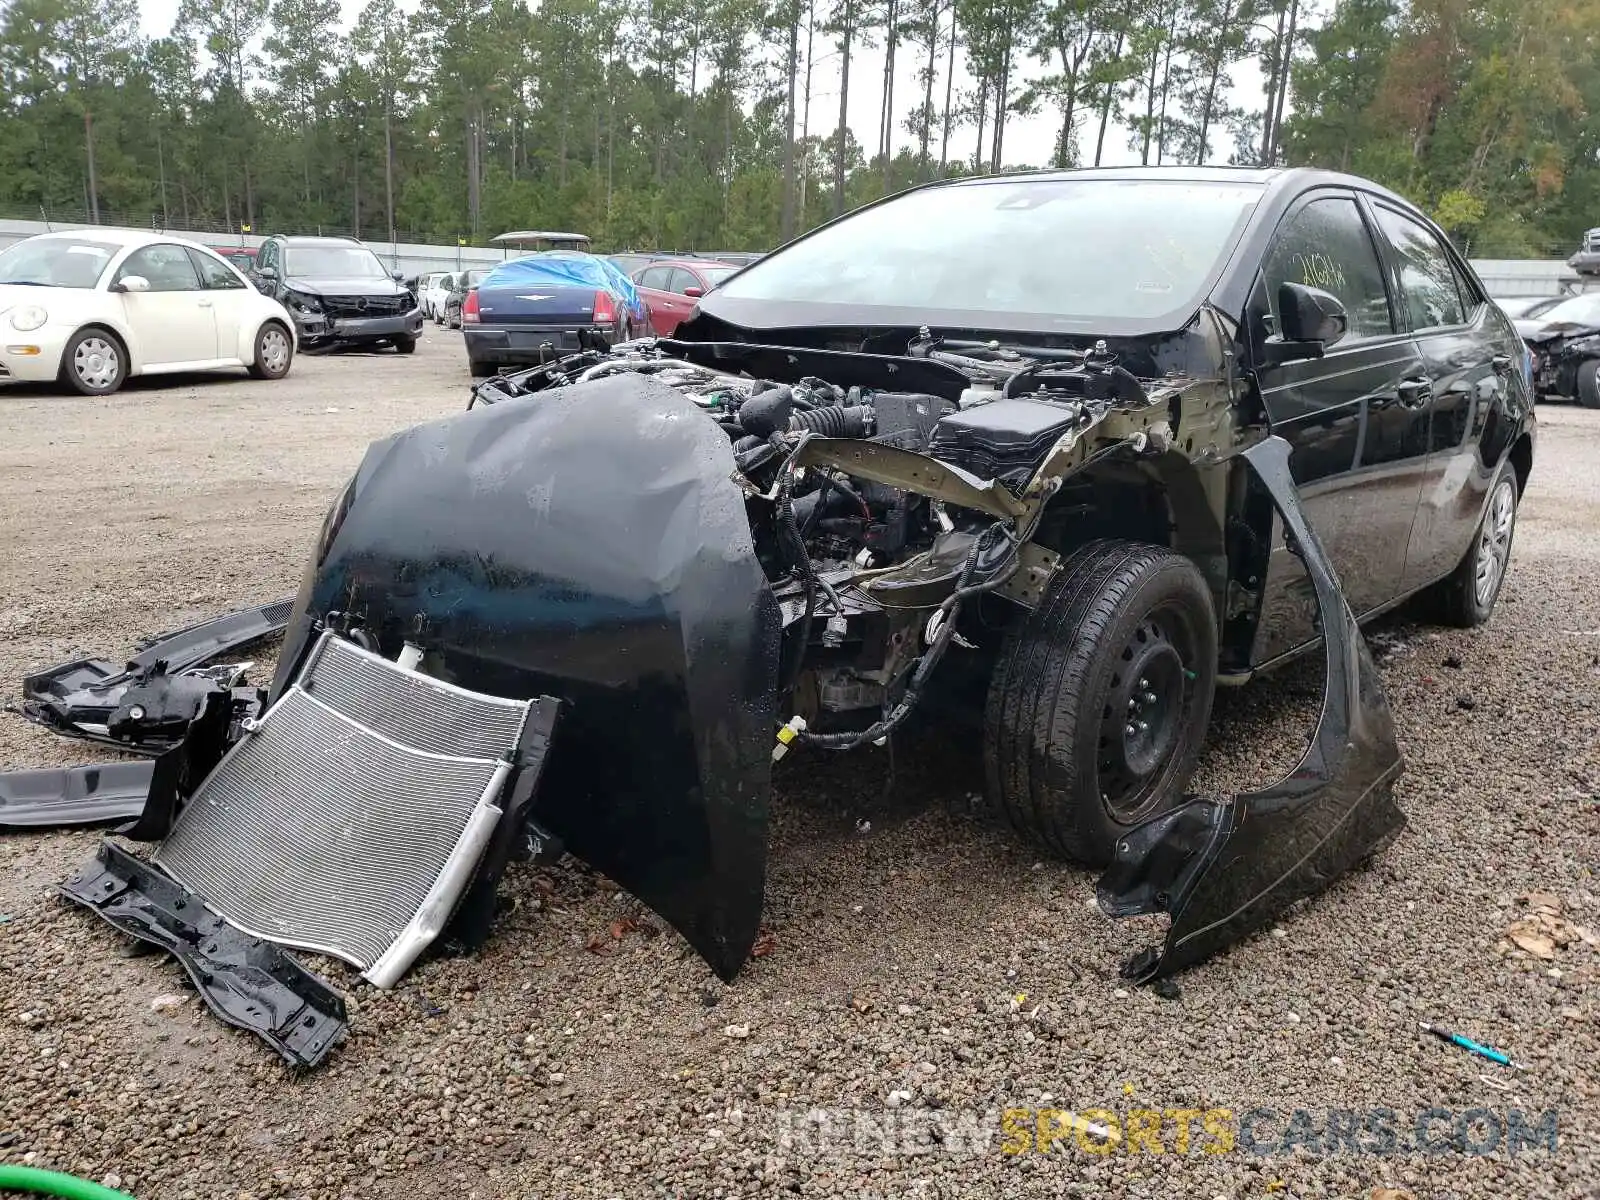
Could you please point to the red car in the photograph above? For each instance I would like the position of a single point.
(670, 288)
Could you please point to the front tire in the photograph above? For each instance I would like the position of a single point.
(274, 352)
(1100, 699)
(1588, 383)
(94, 362)
(1467, 598)
(405, 345)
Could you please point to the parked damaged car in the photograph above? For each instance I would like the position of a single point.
(339, 293)
(1564, 344)
(1587, 260)
(1010, 438)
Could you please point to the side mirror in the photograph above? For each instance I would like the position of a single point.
(399, 276)
(132, 283)
(1310, 319)
(267, 272)
(694, 293)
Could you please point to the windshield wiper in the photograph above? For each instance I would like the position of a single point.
(25, 283)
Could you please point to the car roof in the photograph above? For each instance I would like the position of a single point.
(306, 239)
(1272, 179)
(116, 237)
(687, 264)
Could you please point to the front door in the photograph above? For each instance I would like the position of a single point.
(174, 320)
(232, 304)
(1331, 411)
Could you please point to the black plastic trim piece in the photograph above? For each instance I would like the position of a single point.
(79, 698)
(52, 797)
(250, 983)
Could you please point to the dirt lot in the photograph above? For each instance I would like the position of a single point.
(928, 971)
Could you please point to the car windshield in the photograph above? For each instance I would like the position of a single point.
(715, 275)
(1579, 310)
(1030, 253)
(56, 262)
(332, 262)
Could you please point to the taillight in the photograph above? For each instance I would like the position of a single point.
(469, 307)
(605, 309)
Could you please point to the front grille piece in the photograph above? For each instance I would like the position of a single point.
(349, 821)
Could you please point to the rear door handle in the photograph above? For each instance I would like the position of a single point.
(1416, 391)
(204, 303)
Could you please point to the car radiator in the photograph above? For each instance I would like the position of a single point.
(350, 818)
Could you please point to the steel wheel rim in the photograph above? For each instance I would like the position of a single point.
(95, 362)
(1141, 724)
(274, 350)
(1494, 542)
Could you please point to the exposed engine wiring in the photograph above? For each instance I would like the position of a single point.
(947, 612)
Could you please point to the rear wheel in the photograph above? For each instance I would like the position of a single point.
(273, 353)
(95, 362)
(479, 369)
(1467, 598)
(1589, 383)
(1099, 703)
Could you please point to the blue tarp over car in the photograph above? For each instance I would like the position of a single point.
(566, 268)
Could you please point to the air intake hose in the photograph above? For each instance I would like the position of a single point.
(834, 421)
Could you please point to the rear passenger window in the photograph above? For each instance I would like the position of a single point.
(1427, 280)
(1326, 245)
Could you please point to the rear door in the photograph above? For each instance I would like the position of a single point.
(1468, 360)
(1324, 408)
(655, 289)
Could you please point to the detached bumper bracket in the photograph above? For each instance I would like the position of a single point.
(249, 983)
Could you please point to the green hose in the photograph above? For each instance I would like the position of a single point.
(53, 1183)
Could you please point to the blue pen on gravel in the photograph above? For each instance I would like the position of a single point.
(1467, 1043)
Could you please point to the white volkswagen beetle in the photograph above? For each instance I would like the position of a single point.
(94, 306)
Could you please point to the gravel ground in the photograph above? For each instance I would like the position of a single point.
(926, 969)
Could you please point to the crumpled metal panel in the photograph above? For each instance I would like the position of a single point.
(248, 982)
(587, 544)
(1221, 869)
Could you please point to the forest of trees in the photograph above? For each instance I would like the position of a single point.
(720, 123)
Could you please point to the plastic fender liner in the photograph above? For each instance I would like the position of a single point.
(144, 793)
(1221, 869)
(249, 983)
(78, 698)
(592, 547)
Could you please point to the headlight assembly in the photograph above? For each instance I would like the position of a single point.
(301, 302)
(29, 316)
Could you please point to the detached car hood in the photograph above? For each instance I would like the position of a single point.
(591, 547)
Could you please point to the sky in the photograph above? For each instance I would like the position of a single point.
(1028, 140)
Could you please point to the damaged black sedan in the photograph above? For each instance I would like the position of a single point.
(1036, 425)
(1082, 447)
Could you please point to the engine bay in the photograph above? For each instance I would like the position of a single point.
(883, 492)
